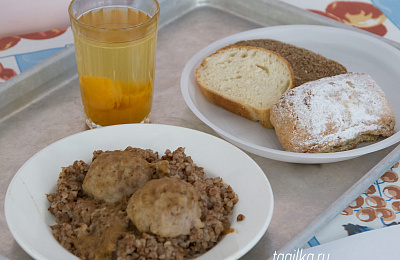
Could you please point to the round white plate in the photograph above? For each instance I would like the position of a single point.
(358, 52)
(26, 203)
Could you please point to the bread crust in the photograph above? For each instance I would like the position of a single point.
(244, 110)
(228, 104)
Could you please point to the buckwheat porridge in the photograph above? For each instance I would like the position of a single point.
(133, 204)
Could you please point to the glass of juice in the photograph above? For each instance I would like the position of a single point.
(115, 45)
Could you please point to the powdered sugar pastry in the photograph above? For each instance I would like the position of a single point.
(332, 110)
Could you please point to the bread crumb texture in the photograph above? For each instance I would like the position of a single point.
(332, 114)
(246, 81)
(248, 75)
(307, 65)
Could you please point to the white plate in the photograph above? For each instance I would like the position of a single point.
(26, 204)
(358, 52)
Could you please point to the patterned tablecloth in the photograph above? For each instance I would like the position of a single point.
(19, 53)
(377, 207)
(381, 17)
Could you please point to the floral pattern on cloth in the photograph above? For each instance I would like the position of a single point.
(6, 73)
(362, 15)
(9, 42)
(381, 17)
(19, 53)
(377, 207)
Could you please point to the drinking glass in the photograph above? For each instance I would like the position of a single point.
(115, 44)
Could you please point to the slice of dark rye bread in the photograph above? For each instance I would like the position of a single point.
(306, 65)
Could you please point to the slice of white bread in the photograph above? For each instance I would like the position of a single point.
(332, 114)
(307, 65)
(246, 81)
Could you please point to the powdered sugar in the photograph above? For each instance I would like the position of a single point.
(334, 109)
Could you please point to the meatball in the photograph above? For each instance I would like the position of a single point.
(114, 175)
(168, 207)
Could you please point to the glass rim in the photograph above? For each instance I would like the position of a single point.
(152, 18)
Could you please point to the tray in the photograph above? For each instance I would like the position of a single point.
(43, 105)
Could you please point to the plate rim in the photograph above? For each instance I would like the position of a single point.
(281, 155)
(22, 242)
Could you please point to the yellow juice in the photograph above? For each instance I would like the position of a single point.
(116, 63)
